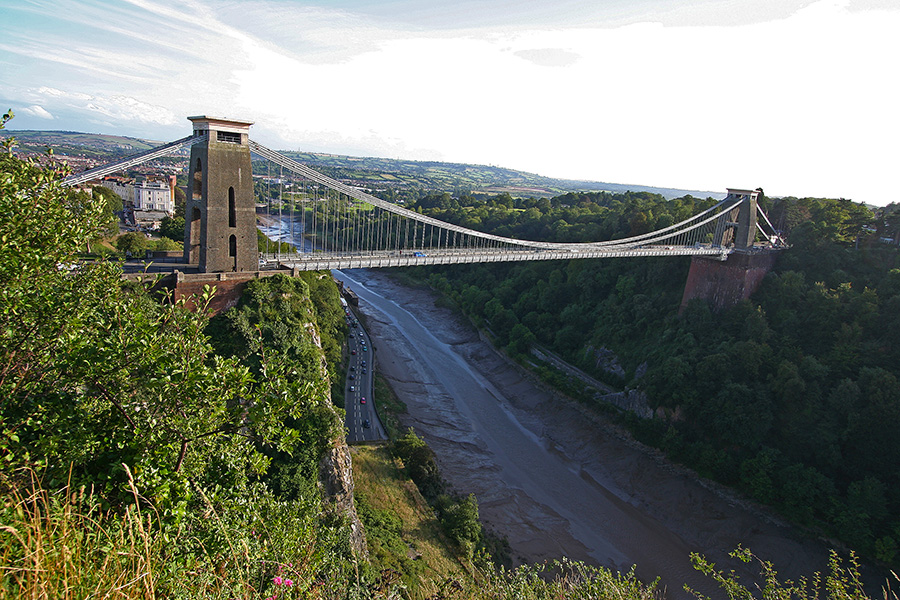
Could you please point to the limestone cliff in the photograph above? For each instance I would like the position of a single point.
(336, 484)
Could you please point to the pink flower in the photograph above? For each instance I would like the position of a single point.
(277, 580)
(288, 582)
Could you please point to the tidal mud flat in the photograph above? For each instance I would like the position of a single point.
(550, 477)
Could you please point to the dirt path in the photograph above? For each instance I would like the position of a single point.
(552, 479)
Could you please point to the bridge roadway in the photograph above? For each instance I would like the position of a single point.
(315, 261)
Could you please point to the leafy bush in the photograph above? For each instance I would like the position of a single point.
(418, 459)
(840, 583)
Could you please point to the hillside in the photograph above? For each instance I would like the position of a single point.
(75, 143)
(458, 177)
(407, 178)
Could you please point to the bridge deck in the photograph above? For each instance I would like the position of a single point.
(315, 261)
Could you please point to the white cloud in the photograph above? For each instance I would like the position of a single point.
(37, 111)
(549, 57)
(115, 108)
(799, 103)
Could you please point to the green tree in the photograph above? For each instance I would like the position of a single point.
(165, 244)
(112, 206)
(460, 521)
(172, 228)
(520, 339)
(418, 459)
(132, 243)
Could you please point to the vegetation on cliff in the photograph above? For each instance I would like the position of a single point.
(135, 457)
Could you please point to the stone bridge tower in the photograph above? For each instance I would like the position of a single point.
(724, 284)
(220, 216)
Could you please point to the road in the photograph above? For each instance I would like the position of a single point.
(361, 420)
(547, 476)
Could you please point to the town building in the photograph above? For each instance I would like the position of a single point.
(154, 195)
(144, 195)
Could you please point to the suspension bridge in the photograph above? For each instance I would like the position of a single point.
(344, 227)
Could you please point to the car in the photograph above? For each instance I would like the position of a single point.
(364, 371)
(362, 400)
(352, 388)
(418, 254)
(352, 376)
(364, 349)
(366, 424)
(353, 352)
(352, 368)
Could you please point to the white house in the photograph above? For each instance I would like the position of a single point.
(153, 195)
(144, 195)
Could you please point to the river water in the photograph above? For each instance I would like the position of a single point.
(552, 479)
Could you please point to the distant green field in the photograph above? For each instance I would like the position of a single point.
(402, 179)
(71, 142)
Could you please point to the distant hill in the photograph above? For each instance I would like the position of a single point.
(406, 176)
(447, 176)
(73, 142)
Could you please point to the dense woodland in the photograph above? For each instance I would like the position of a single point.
(792, 396)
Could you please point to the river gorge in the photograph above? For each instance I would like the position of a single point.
(551, 478)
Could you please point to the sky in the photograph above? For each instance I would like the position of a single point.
(799, 97)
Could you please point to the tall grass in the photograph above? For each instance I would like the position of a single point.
(62, 545)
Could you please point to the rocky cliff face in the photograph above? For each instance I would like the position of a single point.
(336, 476)
(336, 484)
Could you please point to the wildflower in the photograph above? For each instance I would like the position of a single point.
(288, 582)
(277, 580)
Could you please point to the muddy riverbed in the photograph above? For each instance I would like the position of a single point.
(552, 479)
